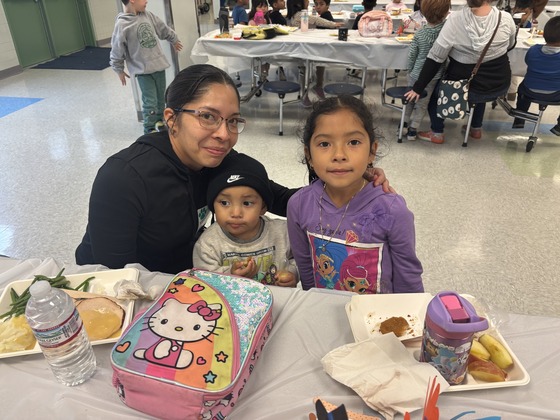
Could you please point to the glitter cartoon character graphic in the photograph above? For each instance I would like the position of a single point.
(354, 274)
(328, 256)
(177, 323)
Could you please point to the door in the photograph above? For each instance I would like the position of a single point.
(29, 31)
(46, 29)
(63, 21)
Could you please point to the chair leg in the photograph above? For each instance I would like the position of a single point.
(533, 138)
(281, 132)
(401, 125)
(467, 131)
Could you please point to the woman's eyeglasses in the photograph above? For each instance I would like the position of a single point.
(207, 119)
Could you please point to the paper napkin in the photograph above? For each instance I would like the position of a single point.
(384, 373)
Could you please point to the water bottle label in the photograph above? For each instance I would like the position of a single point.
(61, 334)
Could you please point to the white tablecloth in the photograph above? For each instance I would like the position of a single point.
(321, 45)
(307, 325)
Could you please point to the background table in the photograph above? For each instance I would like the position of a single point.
(307, 325)
(321, 45)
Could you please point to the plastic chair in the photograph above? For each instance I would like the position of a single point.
(528, 116)
(338, 89)
(281, 88)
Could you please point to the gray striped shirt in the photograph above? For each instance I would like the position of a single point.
(419, 49)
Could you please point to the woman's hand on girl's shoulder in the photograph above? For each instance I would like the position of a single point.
(377, 176)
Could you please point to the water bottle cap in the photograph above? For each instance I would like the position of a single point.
(40, 289)
(453, 314)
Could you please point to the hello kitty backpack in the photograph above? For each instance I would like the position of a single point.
(375, 23)
(191, 353)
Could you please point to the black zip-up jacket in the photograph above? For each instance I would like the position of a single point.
(147, 207)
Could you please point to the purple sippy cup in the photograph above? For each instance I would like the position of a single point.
(451, 322)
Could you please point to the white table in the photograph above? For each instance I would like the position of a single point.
(348, 5)
(321, 45)
(307, 325)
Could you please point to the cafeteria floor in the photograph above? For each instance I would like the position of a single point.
(487, 216)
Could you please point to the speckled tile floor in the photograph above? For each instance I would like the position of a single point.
(487, 216)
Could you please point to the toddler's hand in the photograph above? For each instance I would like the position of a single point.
(123, 77)
(246, 268)
(285, 279)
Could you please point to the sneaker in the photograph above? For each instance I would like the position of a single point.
(555, 130)
(518, 123)
(411, 134)
(319, 91)
(160, 126)
(436, 138)
(475, 133)
(306, 102)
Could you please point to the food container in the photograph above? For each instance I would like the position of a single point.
(449, 328)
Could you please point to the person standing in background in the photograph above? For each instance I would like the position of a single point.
(135, 40)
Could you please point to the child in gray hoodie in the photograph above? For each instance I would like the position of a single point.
(135, 40)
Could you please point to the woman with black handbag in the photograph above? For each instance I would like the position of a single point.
(478, 34)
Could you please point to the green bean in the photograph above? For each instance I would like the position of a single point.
(19, 302)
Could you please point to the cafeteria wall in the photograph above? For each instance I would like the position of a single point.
(103, 13)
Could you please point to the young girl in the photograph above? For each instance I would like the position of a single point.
(395, 4)
(345, 234)
(435, 12)
(259, 13)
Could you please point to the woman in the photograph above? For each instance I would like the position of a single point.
(462, 39)
(148, 201)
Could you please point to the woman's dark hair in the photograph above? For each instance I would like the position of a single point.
(293, 6)
(330, 106)
(193, 82)
(551, 31)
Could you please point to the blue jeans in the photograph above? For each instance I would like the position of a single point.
(480, 99)
(152, 87)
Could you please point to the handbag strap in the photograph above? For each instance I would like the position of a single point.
(479, 62)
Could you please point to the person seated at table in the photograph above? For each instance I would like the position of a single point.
(462, 40)
(244, 241)
(295, 8)
(322, 9)
(415, 20)
(395, 5)
(258, 15)
(345, 236)
(239, 14)
(275, 15)
(435, 12)
(542, 80)
(368, 7)
(148, 201)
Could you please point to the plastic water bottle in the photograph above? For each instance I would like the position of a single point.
(59, 330)
(304, 21)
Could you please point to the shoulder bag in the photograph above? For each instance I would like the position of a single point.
(453, 95)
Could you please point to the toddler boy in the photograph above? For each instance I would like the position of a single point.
(542, 80)
(135, 40)
(243, 241)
